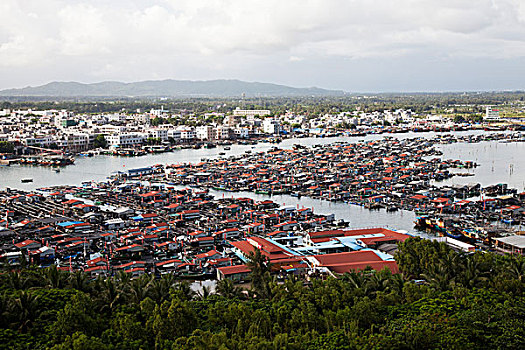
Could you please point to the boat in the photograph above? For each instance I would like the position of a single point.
(26, 180)
(392, 208)
(227, 148)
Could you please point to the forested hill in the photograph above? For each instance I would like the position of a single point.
(167, 88)
(442, 300)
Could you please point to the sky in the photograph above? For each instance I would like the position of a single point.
(351, 45)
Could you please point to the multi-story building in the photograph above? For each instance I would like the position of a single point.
(117, 117)
(242, 133)
(157, 133)
(76, 141)
(251, 112)
(271, 126)
(187, 134)
(205, 132)
(491, 114)
(223, 133)
(125, 139)
(111, 129)
(38, 141)
(174, 134)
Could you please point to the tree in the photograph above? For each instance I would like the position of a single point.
(25, 310)
(459, 119)
(77, 316)
(6, 147)
(100, 142)
(156, 121)
(228, 289)
(259, 266)
(153, 141)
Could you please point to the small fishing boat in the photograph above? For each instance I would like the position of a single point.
(26, 180)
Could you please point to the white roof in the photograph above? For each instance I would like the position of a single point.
(11, 254)
(114, 221)
(515, 241)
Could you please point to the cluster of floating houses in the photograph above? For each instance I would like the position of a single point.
(391, 174)
(141, 227)
(162, 219)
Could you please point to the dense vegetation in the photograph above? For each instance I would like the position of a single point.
(6, 147)
(442, 300)
(466, 104)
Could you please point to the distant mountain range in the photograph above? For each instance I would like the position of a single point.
(167, 88)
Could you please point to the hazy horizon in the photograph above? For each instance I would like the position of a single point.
(286, 85)
(361, 46)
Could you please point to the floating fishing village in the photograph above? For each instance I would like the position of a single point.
(162, 219)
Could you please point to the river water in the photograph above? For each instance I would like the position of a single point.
(500, 162)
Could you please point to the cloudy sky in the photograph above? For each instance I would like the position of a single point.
(353, 45)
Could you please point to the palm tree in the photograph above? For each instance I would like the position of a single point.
(24, 308)
(228, 289)
(472, 275)
(439, 277)
(516, 268)
(395, 283)
(355, 278)
(184, 291)
(16, 280)
(159, 289)
(79, 281)
(4, 308)
(260, 273)
(124, 279)
(54, 278)
(205, 293)
(109, 295)
(138, 288)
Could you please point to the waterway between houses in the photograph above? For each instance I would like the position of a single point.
(500, 163)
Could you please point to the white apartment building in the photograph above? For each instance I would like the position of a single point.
(250, 112)
(187, 133)
(231, 120)
(38, 141)
(205, 132)
(271, 126)
(157, 133)
(223, 133)
(158, 112)
(77, 141)
(117, 117)
(111, 129)
(125, 139)
(242, 133)
(491, 114)
(174, 133)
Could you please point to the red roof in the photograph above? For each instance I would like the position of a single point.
(207, 254)
(418, 196)
(232, 270)
(346, 262)
(26, 243)
(162, 263)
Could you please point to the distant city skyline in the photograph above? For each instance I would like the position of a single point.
(355, 46)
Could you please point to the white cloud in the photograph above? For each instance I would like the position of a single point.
(135, 39)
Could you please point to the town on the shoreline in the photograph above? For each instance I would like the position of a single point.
(53, 137)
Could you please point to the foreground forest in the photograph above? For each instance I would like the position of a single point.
(441, 300)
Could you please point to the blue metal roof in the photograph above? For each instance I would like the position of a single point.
(69, 223)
